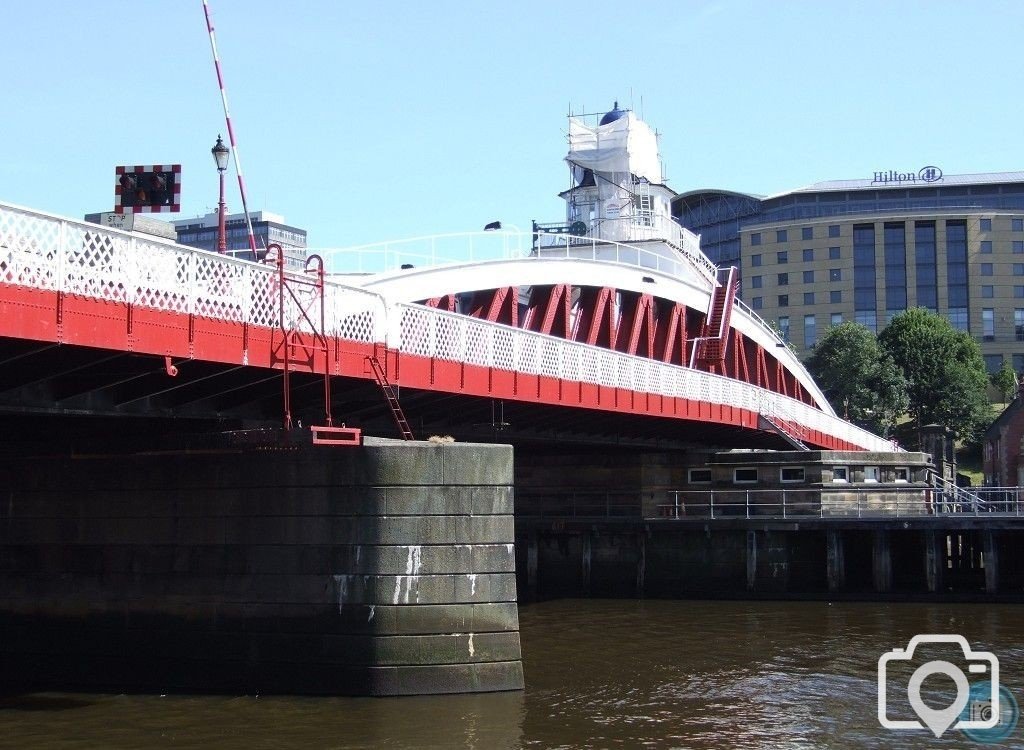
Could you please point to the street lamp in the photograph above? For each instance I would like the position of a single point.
(220, 157)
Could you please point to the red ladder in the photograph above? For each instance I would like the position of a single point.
(709, 349)
(389, 394)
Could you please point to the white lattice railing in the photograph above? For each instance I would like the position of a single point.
(53, 253)
(49, 252)
(457, 338)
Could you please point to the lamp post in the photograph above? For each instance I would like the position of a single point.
(220, 156)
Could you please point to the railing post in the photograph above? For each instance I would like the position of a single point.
(62, 251)
(783, 503)
(747, 493)
(712, 503)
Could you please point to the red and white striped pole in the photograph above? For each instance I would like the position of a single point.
(231, 130)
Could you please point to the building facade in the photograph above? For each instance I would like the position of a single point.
(268, 229)
(865, 250)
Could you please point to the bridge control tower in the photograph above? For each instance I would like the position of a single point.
(618, 197)
(618, 192)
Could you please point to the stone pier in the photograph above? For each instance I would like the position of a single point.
(387, 569)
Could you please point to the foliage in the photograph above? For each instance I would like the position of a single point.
(1005, 379)
(860, 380)
(944, 370)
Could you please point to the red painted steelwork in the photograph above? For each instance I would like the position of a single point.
(45, 316)
(549, 310)
(446, 303)
(497, 305)
(293, 341)
(670, 337)
(595, 318)
(336, 435)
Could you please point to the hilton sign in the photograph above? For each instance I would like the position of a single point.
(924, 174)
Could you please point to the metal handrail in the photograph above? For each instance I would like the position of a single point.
(876, 501)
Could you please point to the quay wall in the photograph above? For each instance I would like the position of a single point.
(386, 569)
(937, 559)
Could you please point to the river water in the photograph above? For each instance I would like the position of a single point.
(599, 674)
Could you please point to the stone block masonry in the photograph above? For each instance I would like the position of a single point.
(382, 570)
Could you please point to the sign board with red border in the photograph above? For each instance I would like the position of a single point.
(147, 189)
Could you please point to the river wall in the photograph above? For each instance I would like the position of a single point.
(386, 569)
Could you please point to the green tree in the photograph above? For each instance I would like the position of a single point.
(944, 370)
(860, 380)
(1005, 379)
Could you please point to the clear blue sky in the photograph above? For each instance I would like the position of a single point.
(370, 121)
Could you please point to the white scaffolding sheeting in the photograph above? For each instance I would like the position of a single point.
(627, 145)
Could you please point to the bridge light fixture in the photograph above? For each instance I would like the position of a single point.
(220, 157)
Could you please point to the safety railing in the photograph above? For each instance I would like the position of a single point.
(422, 252)
(79, 258)
(583, 504)
(49, 252)
(504, 244)
(893, 501)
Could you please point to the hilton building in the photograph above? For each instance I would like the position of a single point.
(864, 250)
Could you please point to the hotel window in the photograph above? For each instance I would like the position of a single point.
(755, 260)
(784, 327)
(835, 274)
(783, 300)
(808, 255)
(791, 474)
(993, 363)
(1017, 225)
(807, 233)
(699, 476)
(1018, 247)
(1018, 269)
(755, 282)
(833, 230)
(987, 291)
(782, 257)
(895, 268)
(986, 247)
(924, 260)
(755, 238)
(1018, 292)
(1018, 362)
(988, 324)
(840, 474)
(744, 475)
(808, 298)
(902, 474)
(864, 298)
(834, 253)
(808, 277)
(957, 317)
(810, 332)
(866, 318)
(757, 303)
(986, 225)
(871, 474)
(956, 273)
(986, 269)
(836, 319)
(1018, 324)
(781, 236)
(783, 279)
(835, 297)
